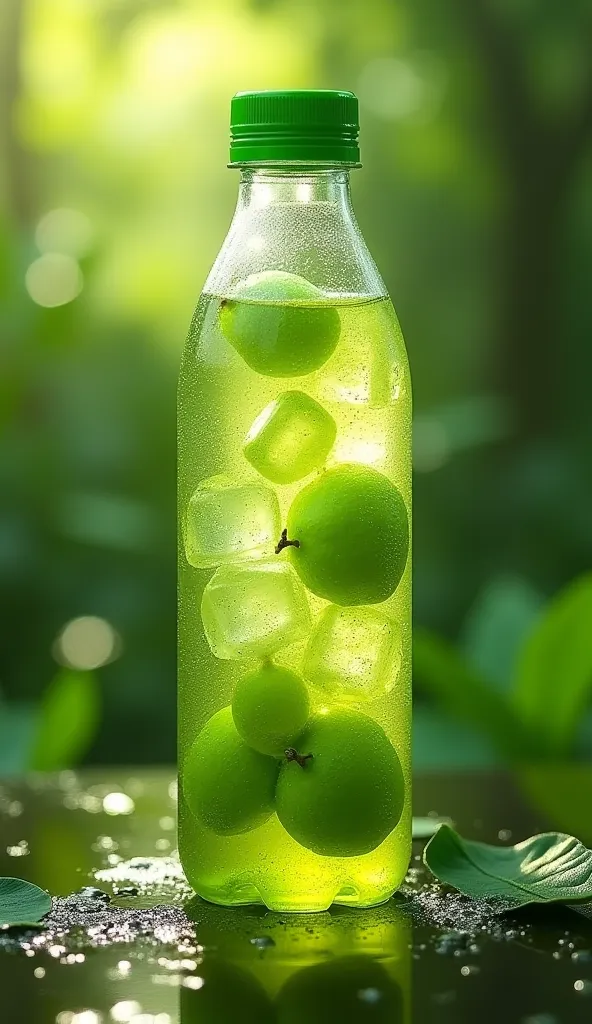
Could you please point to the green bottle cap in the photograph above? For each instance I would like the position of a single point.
(294, 125)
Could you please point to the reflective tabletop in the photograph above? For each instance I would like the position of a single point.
(132, 944)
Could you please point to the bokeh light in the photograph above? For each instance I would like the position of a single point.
(64, 231)
(400, 89)
(54, 279)
(84, 1017)
(125, 1010)
(193, 982)
(118, 803)
(87, 642)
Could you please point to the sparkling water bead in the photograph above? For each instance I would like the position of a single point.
(353, 653)
(251, 609)
(226, 521)
(228, 786)
(353, 535)
(291, 437)
(347, 796)
(280, 324)
(270, 707)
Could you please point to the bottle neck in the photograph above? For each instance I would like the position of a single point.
(266, 186)
(300, 220)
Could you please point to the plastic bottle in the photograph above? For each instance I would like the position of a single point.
(294, 535)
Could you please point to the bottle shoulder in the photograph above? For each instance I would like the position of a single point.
(314, 241)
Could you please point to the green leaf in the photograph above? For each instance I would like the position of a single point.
(554, 673)
(69, 717)
(441, 741)
(496, 628)
(22, 902)
(444, 674)
(17, 727)
(549, 868)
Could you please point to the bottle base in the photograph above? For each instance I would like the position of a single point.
(293, 903)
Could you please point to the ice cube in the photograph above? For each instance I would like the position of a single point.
(251, 609)
(291, 437)
(226, 521)
(353, 653)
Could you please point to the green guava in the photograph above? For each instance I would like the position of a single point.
(340, 792)
(270, 707)
(228, 786)
(280, 324)
(348, 535)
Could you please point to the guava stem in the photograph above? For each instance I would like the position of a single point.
(283, 542)
(293, 755)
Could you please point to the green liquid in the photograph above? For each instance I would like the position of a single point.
(365, 387)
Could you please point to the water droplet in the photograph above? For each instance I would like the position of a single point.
(20, 850)
(193, 982)
(125, 1011)
(118, 803)
(105, 844)
(92, 893)
(582, 956)
(583, 986)
(469, 969)
(504, 834)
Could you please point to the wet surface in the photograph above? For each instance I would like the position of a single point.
(126, 942)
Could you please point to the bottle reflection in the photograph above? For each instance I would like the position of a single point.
(229, 995)
(351, 967)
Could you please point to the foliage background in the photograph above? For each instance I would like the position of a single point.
(476, 200)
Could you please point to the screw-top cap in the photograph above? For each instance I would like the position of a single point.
(304, 125)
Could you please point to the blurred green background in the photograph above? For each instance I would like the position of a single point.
(475, 199)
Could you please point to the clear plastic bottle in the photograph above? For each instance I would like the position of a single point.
(294, 536)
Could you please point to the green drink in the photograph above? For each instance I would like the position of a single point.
(294, 528)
